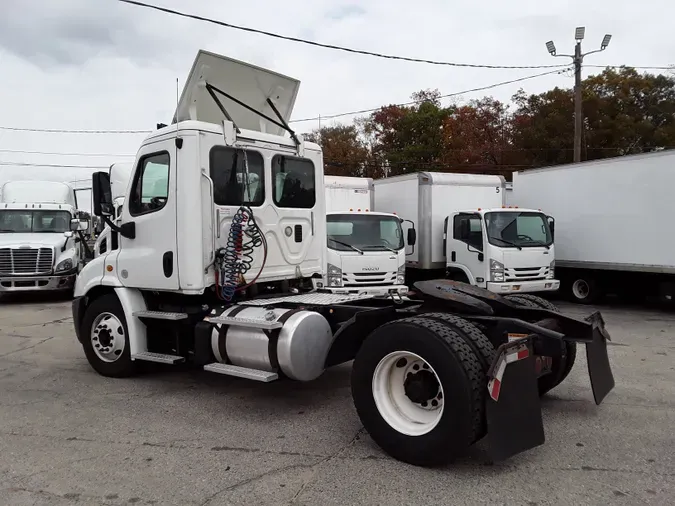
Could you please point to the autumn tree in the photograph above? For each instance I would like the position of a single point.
(344, 153)
(409, 138)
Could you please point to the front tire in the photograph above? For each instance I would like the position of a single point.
(105, 338)
(418, 390)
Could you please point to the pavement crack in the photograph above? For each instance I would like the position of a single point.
(27, 347)
(335, 455)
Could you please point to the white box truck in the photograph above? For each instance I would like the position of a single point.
(41, 244)
(366, 249)
(465, 232)
(612, 223)
(197, 229)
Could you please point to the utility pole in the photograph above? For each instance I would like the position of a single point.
(577, 60)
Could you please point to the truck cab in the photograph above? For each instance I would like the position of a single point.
(506, 250)
(366, 249)
(40, 244)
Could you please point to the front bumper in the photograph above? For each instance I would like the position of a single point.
(540, 285)
(37, 283)
(370, 290)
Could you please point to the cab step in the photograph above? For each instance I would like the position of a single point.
(241, 372)
(160, 315)
(244, 322)
(160, 358)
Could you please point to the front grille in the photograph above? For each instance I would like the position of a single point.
(351, 279)
(526, 273)
(26, 260)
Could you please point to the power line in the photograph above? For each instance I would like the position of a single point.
(331, 46)
(482, 88)
(59, 166)
(65, 131)
(669, 67)
(60, 153)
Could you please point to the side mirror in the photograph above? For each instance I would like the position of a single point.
(76, 225)
(102, 196)
(551, 226)
(412, 236)
(68, 234)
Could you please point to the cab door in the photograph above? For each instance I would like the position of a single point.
(149, 260)
(465, 246)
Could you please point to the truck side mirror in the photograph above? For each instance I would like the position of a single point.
(76, 225)
(412, 236)
(102, 195)
(551, 226)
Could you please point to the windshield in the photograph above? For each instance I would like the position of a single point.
(513, 229)
(364, 231)
(27, 221)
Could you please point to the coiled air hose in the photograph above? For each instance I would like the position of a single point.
(236, 258)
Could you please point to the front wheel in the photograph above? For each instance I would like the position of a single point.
(417, 387)
(105, 338)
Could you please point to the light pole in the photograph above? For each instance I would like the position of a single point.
(577, 59)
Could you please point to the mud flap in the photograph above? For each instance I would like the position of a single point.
(599, 369)
(513, 409)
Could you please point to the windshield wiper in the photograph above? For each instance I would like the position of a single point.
(539, 243)
(347, 245)
(383, 247)
(507, 242)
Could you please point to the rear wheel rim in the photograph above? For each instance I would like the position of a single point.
(108, 338)
(408, 393)
(580, 289)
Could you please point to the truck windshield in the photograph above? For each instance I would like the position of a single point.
(517, 230)
(27, 221)
(364, 231)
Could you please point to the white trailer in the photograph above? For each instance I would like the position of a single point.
(366, 249)
(41, 244)
(465, 232)
(612, 230)
(221, 237)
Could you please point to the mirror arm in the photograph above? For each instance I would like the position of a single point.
(127, 230)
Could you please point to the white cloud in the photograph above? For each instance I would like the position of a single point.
(86, 64)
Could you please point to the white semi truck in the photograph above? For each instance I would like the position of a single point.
(465, 232)
(612, 229)
(221, 201)
(366, 249)
(41, 244)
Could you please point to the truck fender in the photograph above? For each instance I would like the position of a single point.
(463, 268)
(132, 301)
(94, 274)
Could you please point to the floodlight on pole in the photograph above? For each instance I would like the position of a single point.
(605, 41)
(551, 47)
(579, 33)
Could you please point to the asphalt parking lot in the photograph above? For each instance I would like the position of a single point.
(186, 437)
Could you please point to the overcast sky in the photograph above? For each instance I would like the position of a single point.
(101, 64)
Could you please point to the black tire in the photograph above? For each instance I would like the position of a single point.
(459, 372)
(561, 365)
(479, 343)
(584, 290)
(123, 366)
(539, 301)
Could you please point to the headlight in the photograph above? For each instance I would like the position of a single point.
(551, 270)
(400, 275)
(334, 275)
(496, 271)
(64, 265)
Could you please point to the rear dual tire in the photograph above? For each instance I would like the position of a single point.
(560, 365)
(403, 413)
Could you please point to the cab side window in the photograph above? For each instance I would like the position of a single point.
(151, 184)
(293, 182)
(238, 177)
(467, 228)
